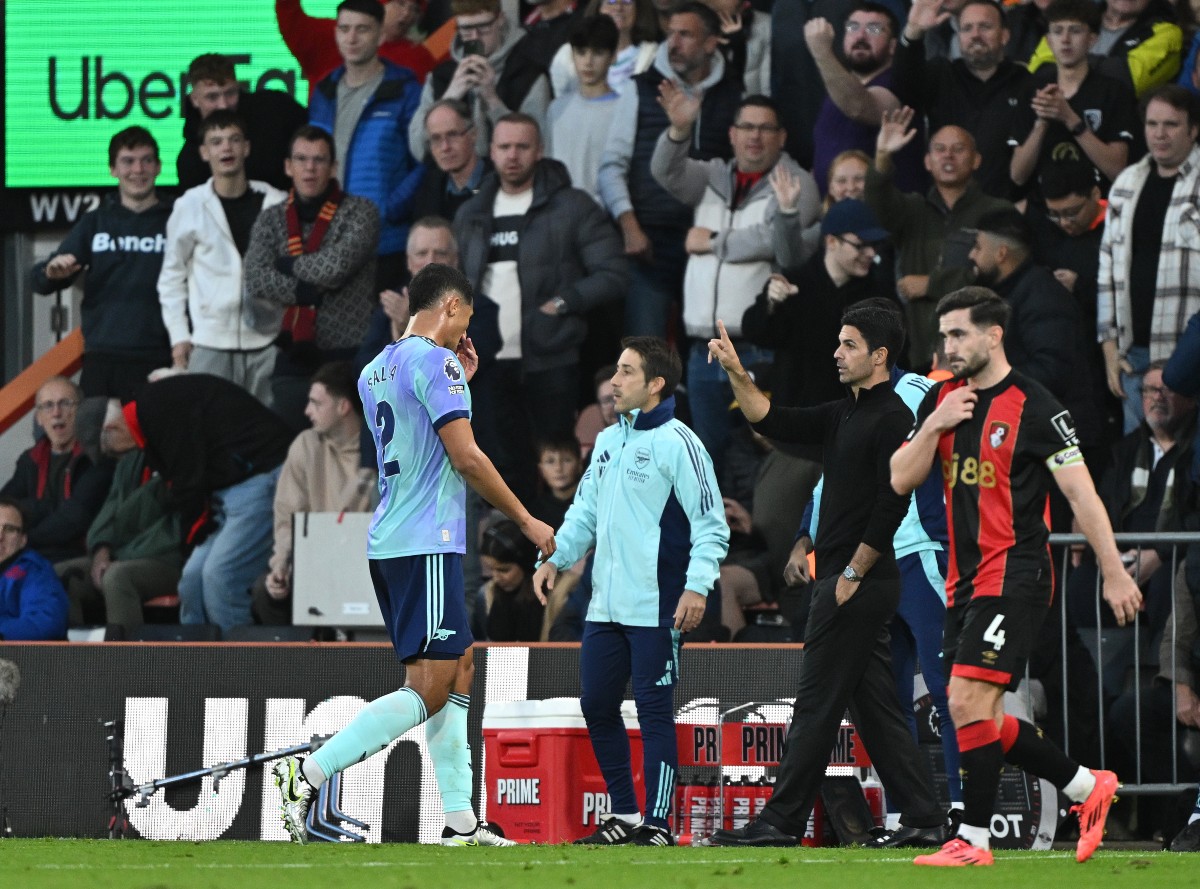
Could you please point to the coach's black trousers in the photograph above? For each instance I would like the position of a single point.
(847, 663)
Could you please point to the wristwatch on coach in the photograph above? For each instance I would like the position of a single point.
(851, 575)
(1079, 129)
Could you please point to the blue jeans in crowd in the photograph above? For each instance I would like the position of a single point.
(216, 581)
(1139, 358)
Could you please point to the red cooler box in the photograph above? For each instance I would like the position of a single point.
(543, 783)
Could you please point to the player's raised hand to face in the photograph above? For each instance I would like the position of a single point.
(543, 580)
(690, 611)
(467, 356)
(541, 535)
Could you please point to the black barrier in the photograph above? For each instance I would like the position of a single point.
(189, 706)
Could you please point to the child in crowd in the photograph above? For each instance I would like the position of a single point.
(512, 612)
(560, 466)
(578, 121)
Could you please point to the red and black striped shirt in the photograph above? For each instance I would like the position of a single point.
(997, 470)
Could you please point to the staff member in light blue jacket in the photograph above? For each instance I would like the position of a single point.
(650, 506)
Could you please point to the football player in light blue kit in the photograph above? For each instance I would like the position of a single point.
(417, 403)
(650, 505)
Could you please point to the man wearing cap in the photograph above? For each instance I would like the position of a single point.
(730, 246)
(803, 328)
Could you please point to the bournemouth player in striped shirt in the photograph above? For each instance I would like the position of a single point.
(1000, 440)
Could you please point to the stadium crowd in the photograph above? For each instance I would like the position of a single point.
(624, 168)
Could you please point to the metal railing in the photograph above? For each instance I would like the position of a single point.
(1177, 541)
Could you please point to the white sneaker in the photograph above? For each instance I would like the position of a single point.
(481, 836)
(296, 794)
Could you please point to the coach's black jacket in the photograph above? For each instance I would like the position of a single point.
(858, 504)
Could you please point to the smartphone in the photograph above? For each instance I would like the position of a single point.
(472, 48)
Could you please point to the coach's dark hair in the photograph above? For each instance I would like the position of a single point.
(221, 119)
(1178, 97)
(887, 305)
(1084, 11)
(435, 281)
(373, 8)
(340, 381)
(130, 138)
(712, 22)
(658, 360)
(11, 503)
(881, 326)
(309, 133)
(987, 309)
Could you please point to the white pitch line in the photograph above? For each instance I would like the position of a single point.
(703, 862)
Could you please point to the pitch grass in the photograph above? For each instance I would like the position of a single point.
(137, 864)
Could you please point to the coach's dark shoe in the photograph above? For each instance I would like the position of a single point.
(757, 833)
(1187, 840)
(910, 837)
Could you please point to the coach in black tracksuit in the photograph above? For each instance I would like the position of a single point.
(847, 660)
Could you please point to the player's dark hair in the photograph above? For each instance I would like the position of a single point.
(1059, 179)
(658, 360)
(14, 504)
(129, 138)
(309, 133)
(373, 8)
(340, 381)
(1178, 97)
(1084, 11)
(559, 444)
(433, 282)
(879, 9)
(710, 20)
(221, 119)
(881, 326)
(504, 542)
(596, 32)
(212, 66)
(987, 309)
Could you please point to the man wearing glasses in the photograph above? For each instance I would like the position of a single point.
(730, 246)
(484, 72)
(55, 482)
(457, 169)
(858, 88)
(33, 605)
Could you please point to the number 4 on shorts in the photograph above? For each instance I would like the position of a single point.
(994, 634)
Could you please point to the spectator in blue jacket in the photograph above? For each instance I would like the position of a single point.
(367, 105)
(33, 604)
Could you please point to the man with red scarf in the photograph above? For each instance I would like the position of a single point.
(313, 259)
